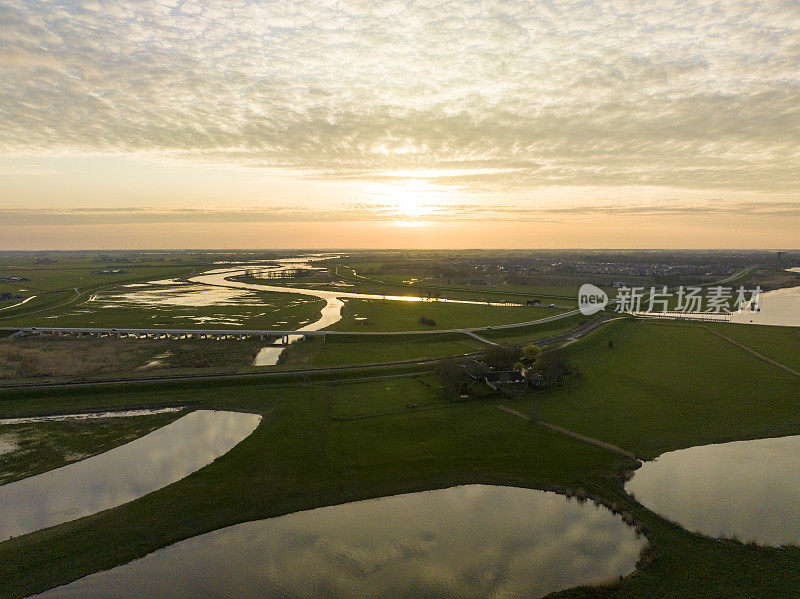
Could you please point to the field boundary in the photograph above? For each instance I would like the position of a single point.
(572, 434)
(754, 352)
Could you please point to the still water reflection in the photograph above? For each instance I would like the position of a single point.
(468, 541)
(331, 313)
(121, 474)
(750, 489)
(779, 308)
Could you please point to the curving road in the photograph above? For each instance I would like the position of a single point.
(562, 339)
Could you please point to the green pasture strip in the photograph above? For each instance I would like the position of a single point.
(781, 344)
(660, 387)
(342, 350)
(386, 315)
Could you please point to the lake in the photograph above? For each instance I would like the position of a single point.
(122, 474)
(750, 489)
(779, 308)
(466, 541)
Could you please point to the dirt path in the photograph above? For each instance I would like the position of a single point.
(479, 338)
(572, 434)
(754, 352)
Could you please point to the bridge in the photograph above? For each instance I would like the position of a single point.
(698, 316)
(285, 336)
(164, 333)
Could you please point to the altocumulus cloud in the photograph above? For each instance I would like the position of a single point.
(667, 93)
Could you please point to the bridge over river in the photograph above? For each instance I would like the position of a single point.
(285, 336)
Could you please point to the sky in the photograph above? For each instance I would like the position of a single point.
(442, 124)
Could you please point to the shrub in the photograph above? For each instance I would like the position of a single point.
(531, 352)
(503, 356)
(427, 321)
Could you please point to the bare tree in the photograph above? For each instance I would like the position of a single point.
(453, 378)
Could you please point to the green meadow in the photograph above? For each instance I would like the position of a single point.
(664, 386)
(325, 440)
(387, 315)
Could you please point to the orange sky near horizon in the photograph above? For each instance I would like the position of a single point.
(624, 233)
(413, 123)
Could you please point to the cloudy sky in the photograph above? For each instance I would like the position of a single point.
(455, 123)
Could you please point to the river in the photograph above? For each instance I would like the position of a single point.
(331, 312)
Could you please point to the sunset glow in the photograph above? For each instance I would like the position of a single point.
(568, 116)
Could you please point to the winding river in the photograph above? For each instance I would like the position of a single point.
(331, 312)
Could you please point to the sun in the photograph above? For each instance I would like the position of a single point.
(410, 199)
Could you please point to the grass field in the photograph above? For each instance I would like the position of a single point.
(668, 386)
(781, 344)
(385, 396)
(301, 458)
(384, 315)
(340, 350)
(562, 294)
(69, 359)
(654, 388)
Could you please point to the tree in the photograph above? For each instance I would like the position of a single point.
(552, 366)
(531, 353)
(502, 356)
(453, 378)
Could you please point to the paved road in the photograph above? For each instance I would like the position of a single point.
(556, 340)
(273, 332)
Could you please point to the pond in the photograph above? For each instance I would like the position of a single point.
(747, 489)
(122, 474)
(778, 308)
(467, 541)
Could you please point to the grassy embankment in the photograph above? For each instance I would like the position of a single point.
(43, 446)
(343, 350)
(385, 315)
(661, 387)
